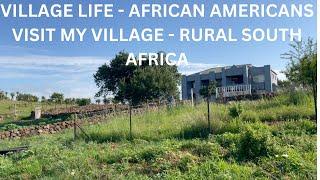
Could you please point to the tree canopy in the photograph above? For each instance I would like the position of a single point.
(302, 66)
(57, 97)
(27, 97)
(136, 84)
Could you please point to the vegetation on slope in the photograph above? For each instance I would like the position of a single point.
(174, 143)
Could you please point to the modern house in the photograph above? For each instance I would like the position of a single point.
(232, 81)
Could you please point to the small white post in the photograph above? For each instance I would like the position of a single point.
(192, 96)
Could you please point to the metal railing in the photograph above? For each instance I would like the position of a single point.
(232, 91)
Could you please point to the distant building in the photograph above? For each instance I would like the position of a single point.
(231, 81)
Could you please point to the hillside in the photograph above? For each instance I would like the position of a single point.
(253, 139)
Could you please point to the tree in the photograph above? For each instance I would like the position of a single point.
(98, 101)
(302, 66)
(83, 101)
(57, 97)
(135, 85)
(2, 96)
(207, 92)
(12, 95)
(26, 97)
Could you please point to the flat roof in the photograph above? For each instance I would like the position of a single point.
(219, 69)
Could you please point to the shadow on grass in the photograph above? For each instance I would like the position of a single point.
(195, 131)
(104, 138)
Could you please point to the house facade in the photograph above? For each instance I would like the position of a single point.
(231, 81)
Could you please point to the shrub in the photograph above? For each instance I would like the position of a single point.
(235, 110)
(185, 163)
(293, 113)
(298, 98)
(296, 128)
(254, 141)
(228, 139)
(234, 126)
(290, 165)
(249, 116)
(285, 113)
(202, 149)
(150, 154)
(199, 130)
(9, 127)
(267, 116)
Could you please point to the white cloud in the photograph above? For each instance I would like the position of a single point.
(43, 75)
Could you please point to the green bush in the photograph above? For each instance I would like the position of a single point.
(202, 149)
(249, 116)
(296, 128)
(185, 163)
(286, 113)
(293, 113)
(150, 154)
(9, 127)
(254, 141)
(298, 98)
(235, 110)
(233, 126)
(290, 165)
(267, 116)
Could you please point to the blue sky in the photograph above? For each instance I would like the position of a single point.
(45, 67)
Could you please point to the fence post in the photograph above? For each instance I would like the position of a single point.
(15, 111)
(130, 118)
(74, 127)
(208, 106)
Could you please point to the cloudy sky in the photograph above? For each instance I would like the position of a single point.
(45, 67)
(73, 76)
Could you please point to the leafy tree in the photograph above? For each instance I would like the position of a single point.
(57, 97)
(98, 101)
(12, 95)
(3, 96)
(83, 101)
(109, 77)
(27, 97)
(105, 100)
(70, 101)
(209, 90)
(136, 84)
(302, 66)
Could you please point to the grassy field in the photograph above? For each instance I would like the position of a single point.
(265, 139)
(23, 109)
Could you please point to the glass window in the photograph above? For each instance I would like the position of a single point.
(258, 78)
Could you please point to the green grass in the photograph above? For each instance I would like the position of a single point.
(23, 112)
(23, 109)
(175, 144)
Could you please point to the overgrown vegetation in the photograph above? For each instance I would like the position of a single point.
(267, 139)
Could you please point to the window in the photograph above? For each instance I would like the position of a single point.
(231, 80)
(258, 78)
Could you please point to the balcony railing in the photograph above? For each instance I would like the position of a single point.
(232, 91)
